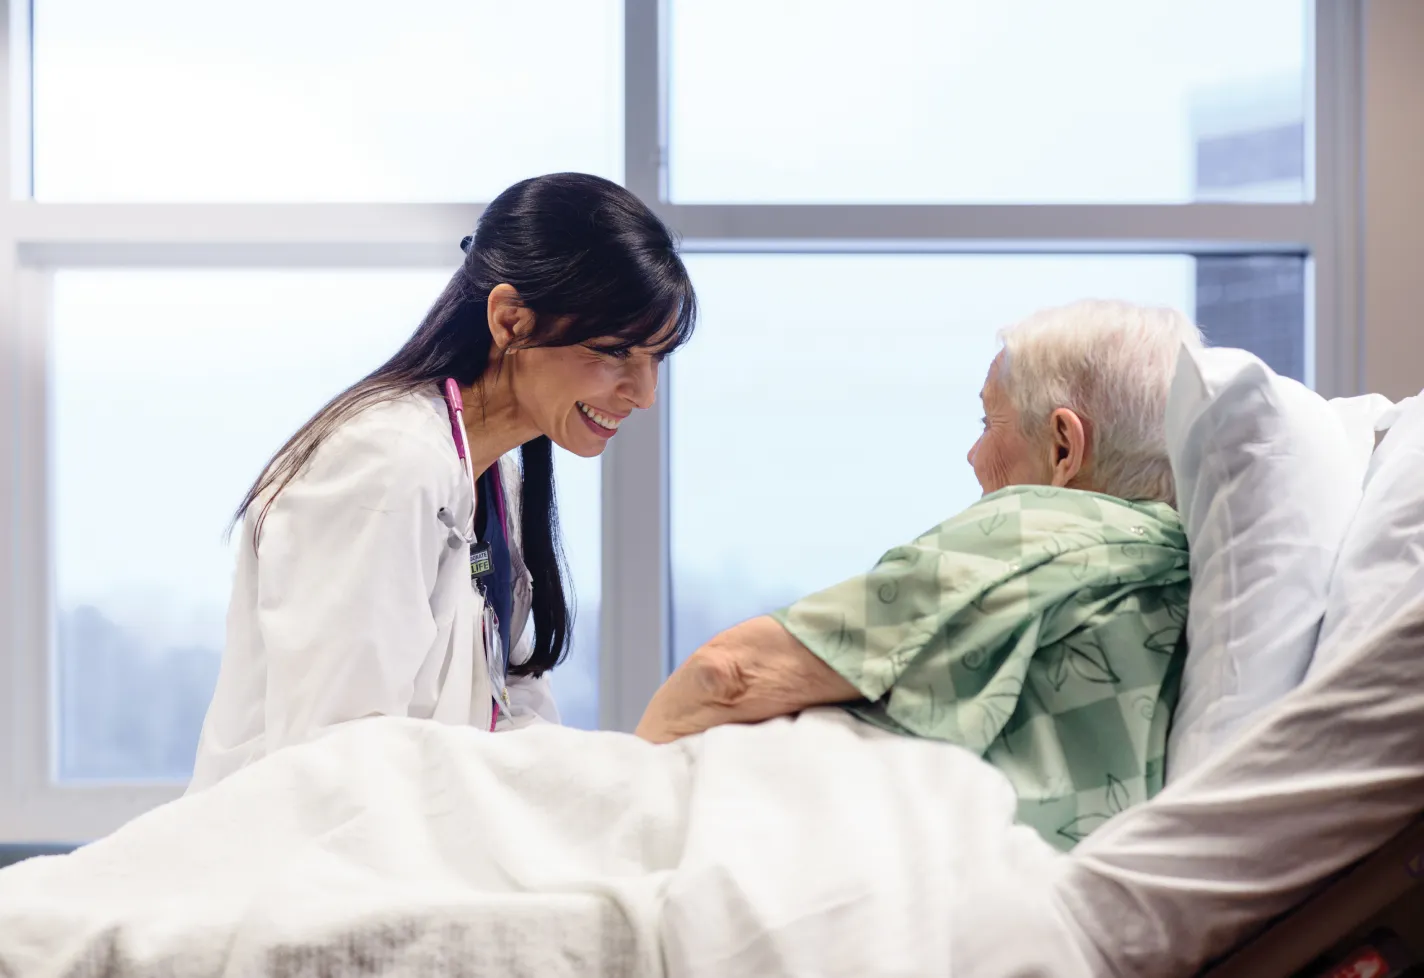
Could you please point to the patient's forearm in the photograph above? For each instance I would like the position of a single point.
(752, 672)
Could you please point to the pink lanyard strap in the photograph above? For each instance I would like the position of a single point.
(454, 404)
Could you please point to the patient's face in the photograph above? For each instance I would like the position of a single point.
(1004, 455)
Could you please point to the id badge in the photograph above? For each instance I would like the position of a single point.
(481, 561)
(494, 655)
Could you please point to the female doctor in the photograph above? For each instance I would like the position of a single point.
(392, 554)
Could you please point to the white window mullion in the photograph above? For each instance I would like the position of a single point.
(636, 630)
(636, 606)
(1333, 310)
(12, 694)
(28, 586)
(425, 234)
(974, 228)
(643, 119)
(14, 728)
(15, 96)
(243, 235)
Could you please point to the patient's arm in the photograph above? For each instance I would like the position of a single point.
(754, 671)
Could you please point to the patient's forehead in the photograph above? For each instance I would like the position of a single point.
(993, 390)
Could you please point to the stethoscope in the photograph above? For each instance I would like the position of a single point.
(480, 553)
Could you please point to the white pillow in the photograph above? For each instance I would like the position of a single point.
(1267, 483)
(1384, 547)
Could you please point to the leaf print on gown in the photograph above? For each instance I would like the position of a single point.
(1041, 627)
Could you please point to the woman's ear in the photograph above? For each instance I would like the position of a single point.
(1068, 446)
(510, 321)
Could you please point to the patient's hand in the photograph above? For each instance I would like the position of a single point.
(753, 672)
(707, 684)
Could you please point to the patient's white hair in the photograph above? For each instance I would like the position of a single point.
(1112, 364)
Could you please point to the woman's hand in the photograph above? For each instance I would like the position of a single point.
(749, 673)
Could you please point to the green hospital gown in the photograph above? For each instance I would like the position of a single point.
(1040, 628)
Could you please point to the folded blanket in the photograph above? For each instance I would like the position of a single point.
(1041, 628)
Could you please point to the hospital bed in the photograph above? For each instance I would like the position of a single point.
(1305, 828)
(1290, 843)
(1385, 887)
(1312, 822)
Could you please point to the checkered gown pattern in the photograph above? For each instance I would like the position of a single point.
(1042, 628)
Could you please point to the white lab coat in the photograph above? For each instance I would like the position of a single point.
(355, 603)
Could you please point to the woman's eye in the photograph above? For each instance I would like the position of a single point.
(612, 353)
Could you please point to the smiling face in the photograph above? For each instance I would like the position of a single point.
(579, 395)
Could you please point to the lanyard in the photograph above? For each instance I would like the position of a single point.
(494, 652)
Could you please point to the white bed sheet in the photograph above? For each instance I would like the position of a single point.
(810, 846)
(817, 846)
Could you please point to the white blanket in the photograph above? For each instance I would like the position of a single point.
(813, 846)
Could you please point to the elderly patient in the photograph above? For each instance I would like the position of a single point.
(1042, 626)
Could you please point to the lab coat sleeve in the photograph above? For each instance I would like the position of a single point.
(347, 564)
(531, 698)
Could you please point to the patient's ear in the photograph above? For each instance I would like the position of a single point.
(1067, 447)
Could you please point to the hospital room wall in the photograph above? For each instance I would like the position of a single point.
(1392, 228)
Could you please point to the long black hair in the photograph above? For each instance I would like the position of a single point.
(592, 263)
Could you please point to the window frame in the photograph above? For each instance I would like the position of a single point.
(37, 239)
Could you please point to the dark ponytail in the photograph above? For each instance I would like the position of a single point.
(593, 264)
(543, 553)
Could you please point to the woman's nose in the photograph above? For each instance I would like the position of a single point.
(642, 382)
